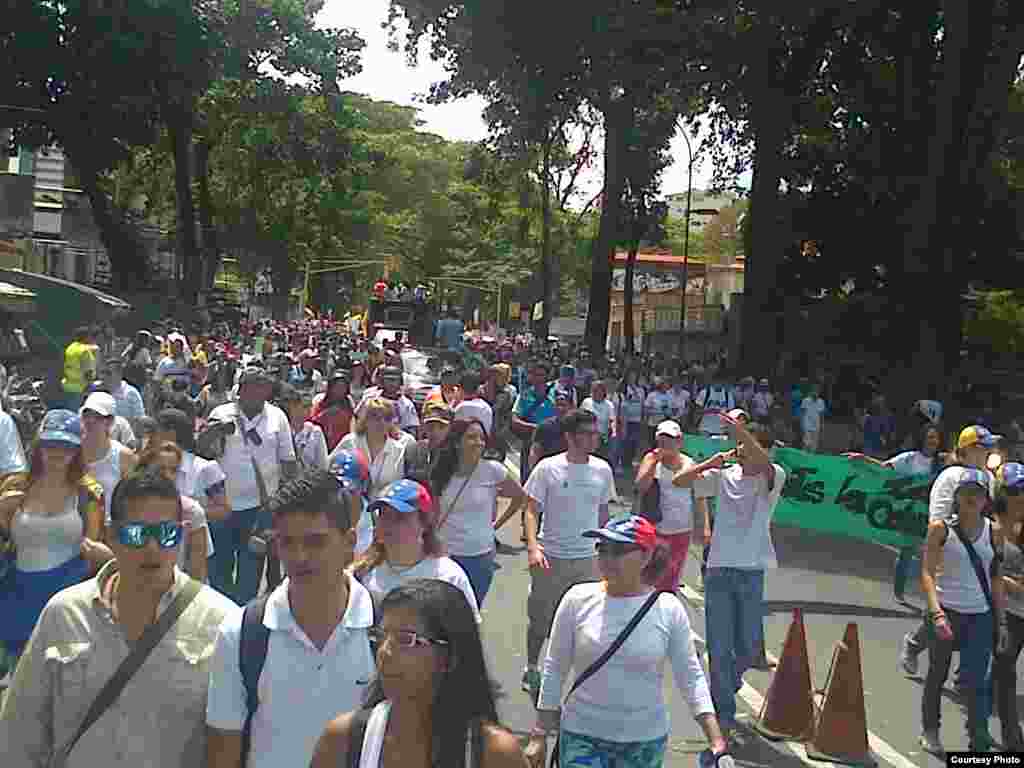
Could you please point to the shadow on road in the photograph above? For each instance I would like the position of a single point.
(837, 609)
(804, 550)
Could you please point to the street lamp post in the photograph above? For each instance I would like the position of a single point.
(684, 278)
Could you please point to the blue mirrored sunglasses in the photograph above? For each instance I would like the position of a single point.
(166, 534)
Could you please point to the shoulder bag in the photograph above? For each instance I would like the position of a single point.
(604, 657)
(110, 691)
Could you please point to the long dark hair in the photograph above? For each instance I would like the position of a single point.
(466, 693)
(922, 440)
(447, 460)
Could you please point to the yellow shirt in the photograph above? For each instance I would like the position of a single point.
(78, 358)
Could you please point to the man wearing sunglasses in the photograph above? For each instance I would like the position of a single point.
(87, 631)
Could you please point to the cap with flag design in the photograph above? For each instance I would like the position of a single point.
(977, 435)
(405, 496)
(1011, 475)
(351, 469)
(627, 530)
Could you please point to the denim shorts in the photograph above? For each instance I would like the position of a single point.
(579, 751)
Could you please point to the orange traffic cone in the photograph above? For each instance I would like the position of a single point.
(842, 732)
(788, 709)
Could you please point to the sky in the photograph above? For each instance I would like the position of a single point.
(386, 76)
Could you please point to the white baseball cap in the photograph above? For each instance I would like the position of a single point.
(101, 403)
(669, 428)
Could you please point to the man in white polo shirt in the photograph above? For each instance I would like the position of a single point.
(256, 456)
(306, 645)
(570, 493)
(472, 405)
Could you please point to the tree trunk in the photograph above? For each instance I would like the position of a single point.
(128, 272)
(180, 128)
(210, 239)
(548, 265)
(282, 278)
(628, 331)
(618, 118)
(758, 342)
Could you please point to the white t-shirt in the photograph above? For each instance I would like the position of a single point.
(713, 399)
(605, 412)
(301, 688)
(761, 404)
(940, 500)
(477, 408)
(633, 403)
(676, 502)
(468, 527)
(275, 446)
(625, 701)
(194, 517)
(659, 407)
(811, 411)
(742, 536)
(570, 496)
(911, 463)
(311, 446)
(680, 401)
(385, 578)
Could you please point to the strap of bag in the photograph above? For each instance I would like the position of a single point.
(252, 655)
(604, 657)
(260, 482)
(979, 569)
(442, 519)
(357, 736)
(150, 639)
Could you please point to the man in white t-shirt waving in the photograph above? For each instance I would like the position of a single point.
(571, 490)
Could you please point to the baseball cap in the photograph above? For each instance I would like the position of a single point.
(763, 383)
(562, 394)
(351, 469)
(626, 530)
(669, 428)
(405, 496)
(61, 426)
(1011, 475)
(437, 412)
(738, 413)
(101, 403)
(973, 477)
(977, 435)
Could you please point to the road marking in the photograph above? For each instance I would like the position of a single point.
(752, 698)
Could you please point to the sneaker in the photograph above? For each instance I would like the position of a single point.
(931, 744)
(531, 681)
(908, 659)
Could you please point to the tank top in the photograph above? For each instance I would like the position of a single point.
(958, 586)
(373, 739)
(107, 472)
(44, 542)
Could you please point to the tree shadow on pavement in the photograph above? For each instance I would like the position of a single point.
(803, 550)
(837, 609)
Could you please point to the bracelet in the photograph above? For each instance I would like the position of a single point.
(538, 733)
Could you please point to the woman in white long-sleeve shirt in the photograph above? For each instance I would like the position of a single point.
(619, 715)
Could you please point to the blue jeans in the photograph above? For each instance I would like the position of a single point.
(615, 452)
(631, 443)
(234, 570)
(734, 605)
(480, 571)
(972, 636)
(903, 569)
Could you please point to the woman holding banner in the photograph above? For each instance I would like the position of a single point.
(926, 459)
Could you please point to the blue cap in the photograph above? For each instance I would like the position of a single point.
(405, 496)
(1012, 475)
(627, 530)
(61, 426)
(351, 469)
(972, 476)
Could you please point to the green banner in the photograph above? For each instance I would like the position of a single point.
(832, 494)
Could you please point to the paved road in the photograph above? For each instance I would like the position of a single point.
(833, 580)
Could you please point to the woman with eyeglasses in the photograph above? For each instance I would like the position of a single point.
(467, 487)
(406, 545)
(619, 715)
(53, 520)
(197, 543)
(433, 701)
(1009, 514)
(927, 459)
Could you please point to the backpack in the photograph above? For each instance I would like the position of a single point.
(253, 643)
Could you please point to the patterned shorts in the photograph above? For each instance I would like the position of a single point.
(578, 751)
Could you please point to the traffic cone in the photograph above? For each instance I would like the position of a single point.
(842, 732)
(788, 709)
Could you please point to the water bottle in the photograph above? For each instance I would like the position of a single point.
(707, 759)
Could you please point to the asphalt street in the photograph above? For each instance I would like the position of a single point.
(833, 580)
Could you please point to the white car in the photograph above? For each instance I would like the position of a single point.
(421, 373)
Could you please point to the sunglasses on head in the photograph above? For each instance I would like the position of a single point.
(166, 534)
(616, 548)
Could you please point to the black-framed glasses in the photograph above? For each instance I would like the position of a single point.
(167, 534)
(616, 548)
(404, 638)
